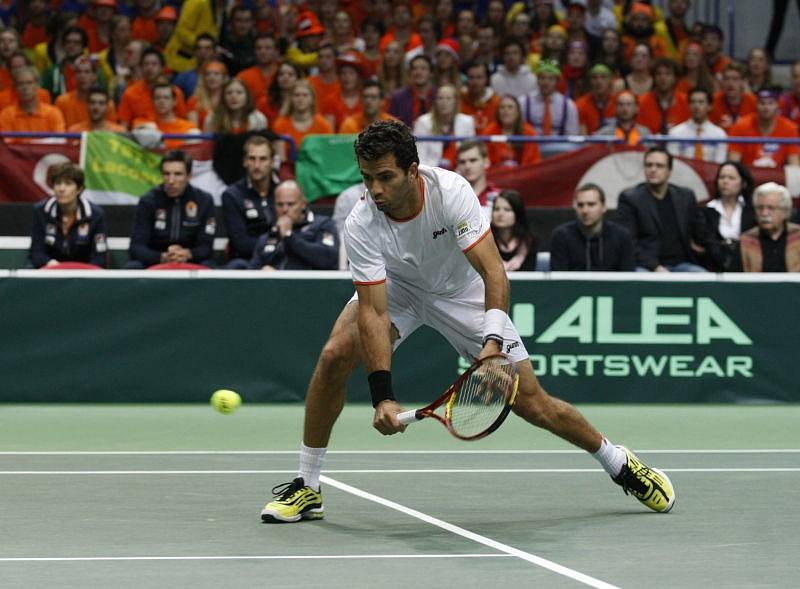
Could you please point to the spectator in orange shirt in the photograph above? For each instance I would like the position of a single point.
(759, 70)
(765, 122)
(624, 125)
(712, 44)
(137, 101)
(236, 112)
(165, 121)
(301, 119)
(371, 33)
(598, 106)
(276, 101)
(9, 95)
(34, 22)
(402, 30)
(96, 21)
(695, 70)
(74, 104)
(445, 64)
(509, 121)
(478, 99)
(348, 101)
(663, 107)
(325, 83)
(392, 72)
(259, 77)
(372, 102)
(99, 104)
(144, 25)
(790, 101)
(208, 93)
(342, 33)
(732, 102)
(574, 81)
(638, 28)
(9, 45)
(30, 114)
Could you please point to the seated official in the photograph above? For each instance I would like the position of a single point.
(249, 204)
(299, 239)
(174, 221)
(591, 243)
(67, 227)
(773, 246)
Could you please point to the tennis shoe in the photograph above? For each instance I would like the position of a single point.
(293, 501)
(649, 485)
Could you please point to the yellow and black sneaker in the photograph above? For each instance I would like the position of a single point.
(293, 501)
(649, 485)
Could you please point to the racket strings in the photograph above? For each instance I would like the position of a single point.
(481, 399)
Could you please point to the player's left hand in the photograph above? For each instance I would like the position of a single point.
(385, 420)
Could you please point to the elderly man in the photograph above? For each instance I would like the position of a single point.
(299, 239)
(774, 245)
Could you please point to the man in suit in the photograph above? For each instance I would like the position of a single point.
(659, 217)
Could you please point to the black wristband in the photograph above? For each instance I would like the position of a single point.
(493, 337)
(380, 386)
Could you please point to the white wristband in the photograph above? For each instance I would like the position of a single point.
(494, 323)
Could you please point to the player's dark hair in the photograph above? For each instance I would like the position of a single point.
(177, 155)
(383, 138)
(592, 186)
(659, 149)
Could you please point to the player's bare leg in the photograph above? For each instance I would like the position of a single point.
(649, 485)
(328, 386)
(535, 406)
(301, 498)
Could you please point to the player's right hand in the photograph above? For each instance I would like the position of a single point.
(385, 419)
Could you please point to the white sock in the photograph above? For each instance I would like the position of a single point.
(311, 460)
(611, 457)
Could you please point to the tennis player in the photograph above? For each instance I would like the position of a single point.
(421, 253)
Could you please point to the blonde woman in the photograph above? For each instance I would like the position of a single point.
(443, 119)
(302, 118)
(208, 92)
(235, 112)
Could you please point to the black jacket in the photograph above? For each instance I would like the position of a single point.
(161, 221)
(313, 245)
(247, 216)
(610, 250)
(721, 255)
(638, 213)
(84, 242)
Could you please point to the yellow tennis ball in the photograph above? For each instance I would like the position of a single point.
(225, 401)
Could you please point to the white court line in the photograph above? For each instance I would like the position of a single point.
(527, 556)
(247, 557)
(385, 471)
(386, 452)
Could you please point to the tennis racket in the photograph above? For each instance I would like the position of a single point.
(477, 403)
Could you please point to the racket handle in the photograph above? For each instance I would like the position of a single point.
(407, 417)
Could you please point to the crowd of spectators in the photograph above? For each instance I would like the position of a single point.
(542, 68)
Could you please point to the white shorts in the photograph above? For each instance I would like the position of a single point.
(458, 318)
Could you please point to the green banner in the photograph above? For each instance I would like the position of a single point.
(326, 165)
(118, 165)
(178, 339)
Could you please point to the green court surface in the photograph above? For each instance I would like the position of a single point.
(169, 496)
